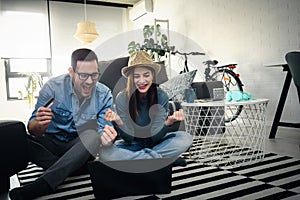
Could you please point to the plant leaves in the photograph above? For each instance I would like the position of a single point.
(158, 30)
(164, 41)
(133, 47)
(149, 45)
(148, 31)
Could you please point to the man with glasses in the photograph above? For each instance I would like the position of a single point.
(66, 134)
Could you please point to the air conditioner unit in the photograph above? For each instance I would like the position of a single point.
(140, 9)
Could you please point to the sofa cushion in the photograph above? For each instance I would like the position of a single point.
(176, 85)
(111, 74)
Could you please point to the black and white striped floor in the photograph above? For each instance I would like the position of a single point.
(274, 177)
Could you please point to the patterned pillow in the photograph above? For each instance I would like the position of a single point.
(176, 85)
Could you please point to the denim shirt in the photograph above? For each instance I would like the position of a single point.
(68, 116)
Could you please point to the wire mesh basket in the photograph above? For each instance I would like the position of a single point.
(224, 143)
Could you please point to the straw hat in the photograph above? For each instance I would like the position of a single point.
(140, 59)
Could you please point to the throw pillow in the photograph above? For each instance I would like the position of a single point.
(176, 85)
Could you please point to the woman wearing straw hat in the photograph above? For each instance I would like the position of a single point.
(141, 116)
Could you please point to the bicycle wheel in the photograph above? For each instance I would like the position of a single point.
(231, 82)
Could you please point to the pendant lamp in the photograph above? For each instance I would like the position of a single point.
(86, 31)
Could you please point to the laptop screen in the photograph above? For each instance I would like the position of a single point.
(204, 90)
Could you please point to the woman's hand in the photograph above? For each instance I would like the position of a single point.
(112, 116)
(177, 116)
(108, 136)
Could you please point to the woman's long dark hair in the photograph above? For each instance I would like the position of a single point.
(133, 94)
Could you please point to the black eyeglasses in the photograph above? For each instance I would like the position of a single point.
(85, 76)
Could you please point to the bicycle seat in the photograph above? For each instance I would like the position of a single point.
(210, 62)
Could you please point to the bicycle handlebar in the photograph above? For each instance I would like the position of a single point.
(186, 54)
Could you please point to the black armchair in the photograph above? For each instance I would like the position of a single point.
(293, 73)
(13, 150)
(293, 60)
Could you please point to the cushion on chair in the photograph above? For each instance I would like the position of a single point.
(111, 74)
(293, 61)
(175, 86)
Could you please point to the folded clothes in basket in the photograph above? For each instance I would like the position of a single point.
(237, 95)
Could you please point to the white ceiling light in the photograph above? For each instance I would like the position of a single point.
(86, 31)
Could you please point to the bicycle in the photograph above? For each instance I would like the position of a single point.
(186, 69)
(230, 79)
(225, 73)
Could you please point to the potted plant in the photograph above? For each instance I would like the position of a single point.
(33, 82)
(155, 49)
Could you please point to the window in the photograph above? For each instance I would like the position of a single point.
(25, 46)
(25, 76)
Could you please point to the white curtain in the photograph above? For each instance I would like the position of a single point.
(24, 29)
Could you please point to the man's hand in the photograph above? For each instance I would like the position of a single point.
(42, 121)
(177, 116)
(112, 116)
(108, 136)
(44, 116)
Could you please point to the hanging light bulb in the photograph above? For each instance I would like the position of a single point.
(86, 31)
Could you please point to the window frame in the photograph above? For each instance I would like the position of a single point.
(9, 74)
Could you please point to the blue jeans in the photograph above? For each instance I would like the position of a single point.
(172, 145)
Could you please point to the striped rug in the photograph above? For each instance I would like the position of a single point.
(274, 177)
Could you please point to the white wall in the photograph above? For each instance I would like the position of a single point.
(64, 18)
(251, 33)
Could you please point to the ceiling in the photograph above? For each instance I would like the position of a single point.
(130, 2)
(113, 3)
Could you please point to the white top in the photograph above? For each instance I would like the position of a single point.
(275, 65)
(209, 103)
